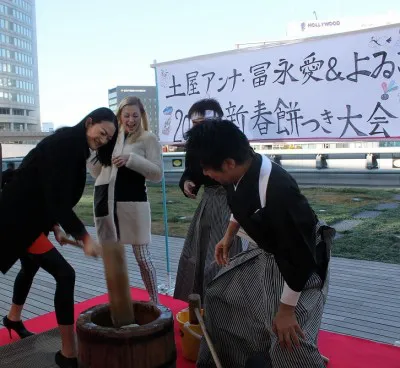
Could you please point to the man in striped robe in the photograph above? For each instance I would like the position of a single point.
(196, 265)
(269, 300)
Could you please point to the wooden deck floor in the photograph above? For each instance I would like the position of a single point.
(363, 301)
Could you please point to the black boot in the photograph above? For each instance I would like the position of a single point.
(64, 362)
(17, 326)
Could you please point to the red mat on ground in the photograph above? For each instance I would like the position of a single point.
(343, 351)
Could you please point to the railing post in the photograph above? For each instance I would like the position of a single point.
(276, 159)
(320, 161)
(372, 161)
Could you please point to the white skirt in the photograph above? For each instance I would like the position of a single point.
(131, 225)
(134, 222)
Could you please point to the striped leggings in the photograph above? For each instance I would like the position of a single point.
(147, 270)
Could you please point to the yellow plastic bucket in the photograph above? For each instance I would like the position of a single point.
(190, 335)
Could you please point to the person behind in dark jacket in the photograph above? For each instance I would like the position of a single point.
(270, 299)
(8, 174)
(48, 184)
(196, 265)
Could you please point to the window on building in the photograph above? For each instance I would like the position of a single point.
(31, 127)
(112, 101)
(19, 127)
(4, 111)
(5, 127)
(18, 112)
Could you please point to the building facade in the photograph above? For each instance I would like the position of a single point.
(19, 89)
(148, 96)
(48, 127)
(312, 28)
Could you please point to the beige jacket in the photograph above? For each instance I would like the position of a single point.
(134, 218)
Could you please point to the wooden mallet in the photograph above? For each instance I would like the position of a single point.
(195, 318)
(75, 243)
(79, 244)
(117, 279)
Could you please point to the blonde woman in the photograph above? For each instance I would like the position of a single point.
(121, 208)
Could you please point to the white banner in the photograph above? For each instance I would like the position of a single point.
(332, 88)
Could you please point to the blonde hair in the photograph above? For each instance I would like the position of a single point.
(133, 101)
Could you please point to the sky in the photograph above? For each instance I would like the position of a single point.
(86, 47)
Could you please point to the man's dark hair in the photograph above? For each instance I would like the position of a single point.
(214, 141)
(202, 106)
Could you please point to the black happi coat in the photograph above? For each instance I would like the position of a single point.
(46, 187)
(285, 227)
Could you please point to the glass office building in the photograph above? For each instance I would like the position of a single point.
(19, 89)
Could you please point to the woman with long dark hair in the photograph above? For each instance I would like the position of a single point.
(46, 187)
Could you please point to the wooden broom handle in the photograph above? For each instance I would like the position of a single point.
(196, 318)
(208, 339)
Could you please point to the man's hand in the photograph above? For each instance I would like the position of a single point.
(188, 188)
(286, 327)
(222, 251)
(120, 161)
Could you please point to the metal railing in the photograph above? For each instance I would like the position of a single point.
(384, 158)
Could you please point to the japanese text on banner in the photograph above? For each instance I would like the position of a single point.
(339, 87)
